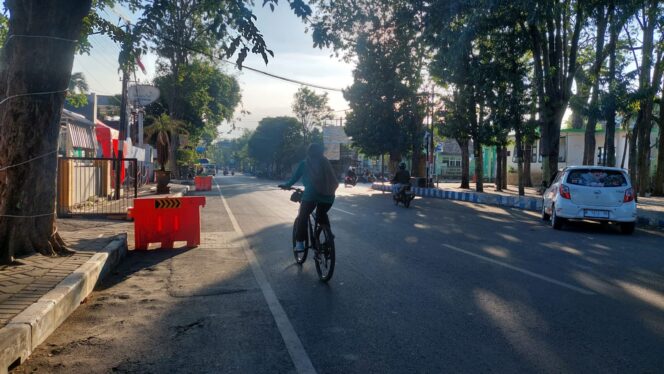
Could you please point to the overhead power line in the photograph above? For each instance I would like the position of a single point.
(275, 76)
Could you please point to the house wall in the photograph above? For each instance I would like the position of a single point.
(571, 153)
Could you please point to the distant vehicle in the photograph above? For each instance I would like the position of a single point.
(225, 171)
(594, 193)
(210, 169)
(350, 181)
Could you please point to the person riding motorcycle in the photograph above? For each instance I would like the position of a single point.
(401, 179)
(351, 177)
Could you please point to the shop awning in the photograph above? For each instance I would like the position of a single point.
(81, 137)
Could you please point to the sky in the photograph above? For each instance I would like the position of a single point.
(262, 96)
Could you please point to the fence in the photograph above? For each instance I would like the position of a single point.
(87, 186)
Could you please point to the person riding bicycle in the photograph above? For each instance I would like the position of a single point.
(401, 179)
(320, 184)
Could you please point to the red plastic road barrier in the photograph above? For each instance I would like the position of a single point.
(166, 220)
(203, 183)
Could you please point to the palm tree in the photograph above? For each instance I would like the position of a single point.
(161, 131)
(78, 84)
(77, 89)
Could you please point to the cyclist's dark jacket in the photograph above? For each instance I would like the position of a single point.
(402, 176)
(310, 193)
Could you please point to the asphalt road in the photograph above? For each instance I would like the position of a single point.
(441, 287)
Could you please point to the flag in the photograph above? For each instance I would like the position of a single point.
(140, 65)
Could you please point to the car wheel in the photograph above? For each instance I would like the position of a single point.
(556, 222)
(627, 228)
(545, 215)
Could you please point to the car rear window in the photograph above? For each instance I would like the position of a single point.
(597, 178)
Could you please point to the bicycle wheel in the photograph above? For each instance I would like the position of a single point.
(325, 256)
(300, 257)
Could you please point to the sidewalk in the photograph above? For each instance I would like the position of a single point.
(650, 209)
(37, 293)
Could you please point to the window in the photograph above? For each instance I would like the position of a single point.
(597, 178)
(533, 157)
(562, 149)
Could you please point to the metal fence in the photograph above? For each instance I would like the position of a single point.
(87, 186)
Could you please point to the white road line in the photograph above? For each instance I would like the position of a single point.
(341, 210)
(293, 343)
(523, 271)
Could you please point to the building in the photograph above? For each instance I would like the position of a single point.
(571, 152)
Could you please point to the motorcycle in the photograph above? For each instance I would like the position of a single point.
(350, 181)
(404, 196)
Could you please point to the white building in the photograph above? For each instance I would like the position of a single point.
(571, 152)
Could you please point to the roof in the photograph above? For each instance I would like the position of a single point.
(75, 118)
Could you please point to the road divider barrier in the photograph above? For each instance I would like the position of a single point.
(520, 202)
(166, 221)
(203, 183)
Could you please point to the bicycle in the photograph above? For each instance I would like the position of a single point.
(319, 238)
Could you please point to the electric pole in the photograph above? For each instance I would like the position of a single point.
(123, 126)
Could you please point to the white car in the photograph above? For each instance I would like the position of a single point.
(596, 193)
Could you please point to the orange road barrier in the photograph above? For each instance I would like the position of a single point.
(166, 220)
(203, 183)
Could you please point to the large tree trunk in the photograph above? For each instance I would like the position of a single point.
(465, 163)
(30, 124)
(499, 169)
(649, 88)
(527, 160)
(550, 142)
(504, 161)
(590, 142)
(610, 102)
(631, 162)
(659, 175)
(479, 166)
(518, 148)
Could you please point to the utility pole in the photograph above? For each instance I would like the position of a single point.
(123, 127)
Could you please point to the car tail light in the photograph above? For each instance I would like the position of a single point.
(629, 195)
(564, 192)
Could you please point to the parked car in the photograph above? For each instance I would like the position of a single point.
(595, 193)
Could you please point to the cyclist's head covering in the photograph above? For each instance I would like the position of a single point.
(315, 150)
(320, 171)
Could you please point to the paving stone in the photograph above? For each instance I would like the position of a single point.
(11, 288)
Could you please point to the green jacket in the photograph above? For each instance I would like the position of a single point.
(310, 193)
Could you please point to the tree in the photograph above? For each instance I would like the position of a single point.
(161, 131)
(276, 143)
(455, 127)
(554, 27)
(374, 99)
(41, 66)
(651, 70)
(30, 124)
(311, 109)
(77, 90)
(384, 34)
(207, 98)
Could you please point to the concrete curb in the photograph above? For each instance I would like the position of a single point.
(32, 326)
(519, 202)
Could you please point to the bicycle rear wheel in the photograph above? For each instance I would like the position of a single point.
(300, 257)
(325, 253)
